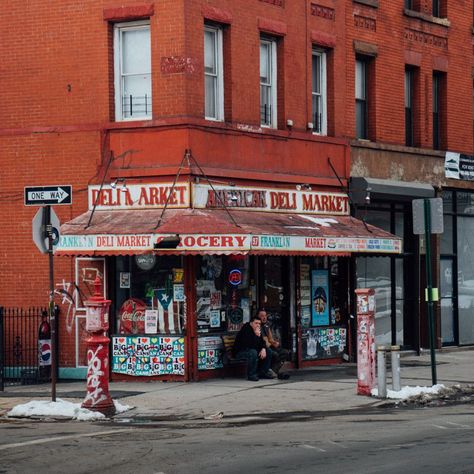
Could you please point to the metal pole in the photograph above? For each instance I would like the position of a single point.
(395, 355)
(52, 313)
(429, 285)
(2, 350)
(381, 372)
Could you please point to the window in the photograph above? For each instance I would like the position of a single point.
(213, 74)
(361, 99)
(319, 94)
(436, 110)
(409, 4)
(132, 55)
(409, 73)
(268, 96)
(436, 11)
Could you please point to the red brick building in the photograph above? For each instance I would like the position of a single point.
(225, 127)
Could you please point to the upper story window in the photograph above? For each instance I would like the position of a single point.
(409, 138)
(436, 94)
(409, 4)
(268, 83)
(319, 92)
(436, 8)
(132, 58)
(213, 73)
(361, 103)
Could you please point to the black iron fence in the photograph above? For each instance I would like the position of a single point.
(19, 347)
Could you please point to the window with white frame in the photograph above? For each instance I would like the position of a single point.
(318, 91)
(132, 58)
(361, 98)
(268, 91)
(213, 73)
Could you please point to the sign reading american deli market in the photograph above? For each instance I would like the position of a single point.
(226, 243)
(268, 199)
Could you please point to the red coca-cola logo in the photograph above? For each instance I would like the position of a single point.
(132, 317)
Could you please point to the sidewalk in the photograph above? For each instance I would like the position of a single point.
(318, 389)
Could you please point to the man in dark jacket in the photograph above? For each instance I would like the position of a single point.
(250, 345)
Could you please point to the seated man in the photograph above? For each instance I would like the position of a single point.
(279, 354)
(250, 345)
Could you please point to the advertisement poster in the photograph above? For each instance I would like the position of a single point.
(148, 356)
(319, 298)
(151, 321)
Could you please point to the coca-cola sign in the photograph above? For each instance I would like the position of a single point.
(132, 317)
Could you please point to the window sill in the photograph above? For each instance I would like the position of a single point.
(369, 3)
(430, 19)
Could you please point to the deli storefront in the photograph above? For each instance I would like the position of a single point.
(188, 263)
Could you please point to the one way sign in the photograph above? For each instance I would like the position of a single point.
(48, 195)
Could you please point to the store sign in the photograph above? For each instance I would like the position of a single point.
(139, 196)
(215, 243)
(235, 277)
(270, 199)
(459, 166)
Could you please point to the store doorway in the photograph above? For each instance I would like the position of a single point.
(274, 295)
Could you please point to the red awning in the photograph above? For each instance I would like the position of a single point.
(199, 231)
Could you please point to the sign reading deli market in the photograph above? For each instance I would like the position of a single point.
(226, 243)
(139, 196)
(267, 199)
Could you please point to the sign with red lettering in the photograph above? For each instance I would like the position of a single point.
(139, 196)
(132, 317)
(270, 199)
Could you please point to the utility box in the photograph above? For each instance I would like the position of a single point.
(365, 340)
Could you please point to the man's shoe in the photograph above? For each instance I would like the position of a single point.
(268, 375)
(253, 378)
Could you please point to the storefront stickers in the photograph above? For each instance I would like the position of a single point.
(320, 343)
(269, 199)
(139, 196)
(148, 356)
(210, 353)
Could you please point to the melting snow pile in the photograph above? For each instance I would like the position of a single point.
(60, 408)
(408, 392)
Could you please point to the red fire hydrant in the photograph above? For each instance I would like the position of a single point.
(97, 323)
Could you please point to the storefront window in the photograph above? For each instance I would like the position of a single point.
(150, 295)
(224, 295)
(323, 290)
(465, 247)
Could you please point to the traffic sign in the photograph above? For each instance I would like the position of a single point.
(40, 238)
(436, 215)
(48, 195)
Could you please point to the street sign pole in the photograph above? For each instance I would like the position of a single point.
(429, 284)
(52, 313)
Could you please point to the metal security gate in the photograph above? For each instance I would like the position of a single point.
(19, 353)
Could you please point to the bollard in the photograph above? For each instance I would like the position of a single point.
(381, 371)
(395, 368)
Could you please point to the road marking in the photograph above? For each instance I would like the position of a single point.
(457, 424)
(308, 446)
(440, 427)
(59, 438)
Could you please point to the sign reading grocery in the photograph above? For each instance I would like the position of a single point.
(268, 199)
(227, 243)
(139, 196)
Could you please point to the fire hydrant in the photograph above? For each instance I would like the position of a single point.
(97, 323)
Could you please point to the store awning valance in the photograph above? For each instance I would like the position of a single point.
(198, 231)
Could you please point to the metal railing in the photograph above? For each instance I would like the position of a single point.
(19, 349)
(136, 106)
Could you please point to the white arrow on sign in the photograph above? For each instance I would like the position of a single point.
(58, 195)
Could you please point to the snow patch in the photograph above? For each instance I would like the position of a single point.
(407, 392)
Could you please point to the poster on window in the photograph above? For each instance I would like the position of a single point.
(210, 353)
(320, 298)
(321, 343)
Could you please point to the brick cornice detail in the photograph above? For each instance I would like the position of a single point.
(132, 12)
(216, 14)
(323, 39)
(367, 49)
(272, 26)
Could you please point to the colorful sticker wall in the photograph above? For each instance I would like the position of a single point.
(210, 353)
(148, 356)
(320, 343)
